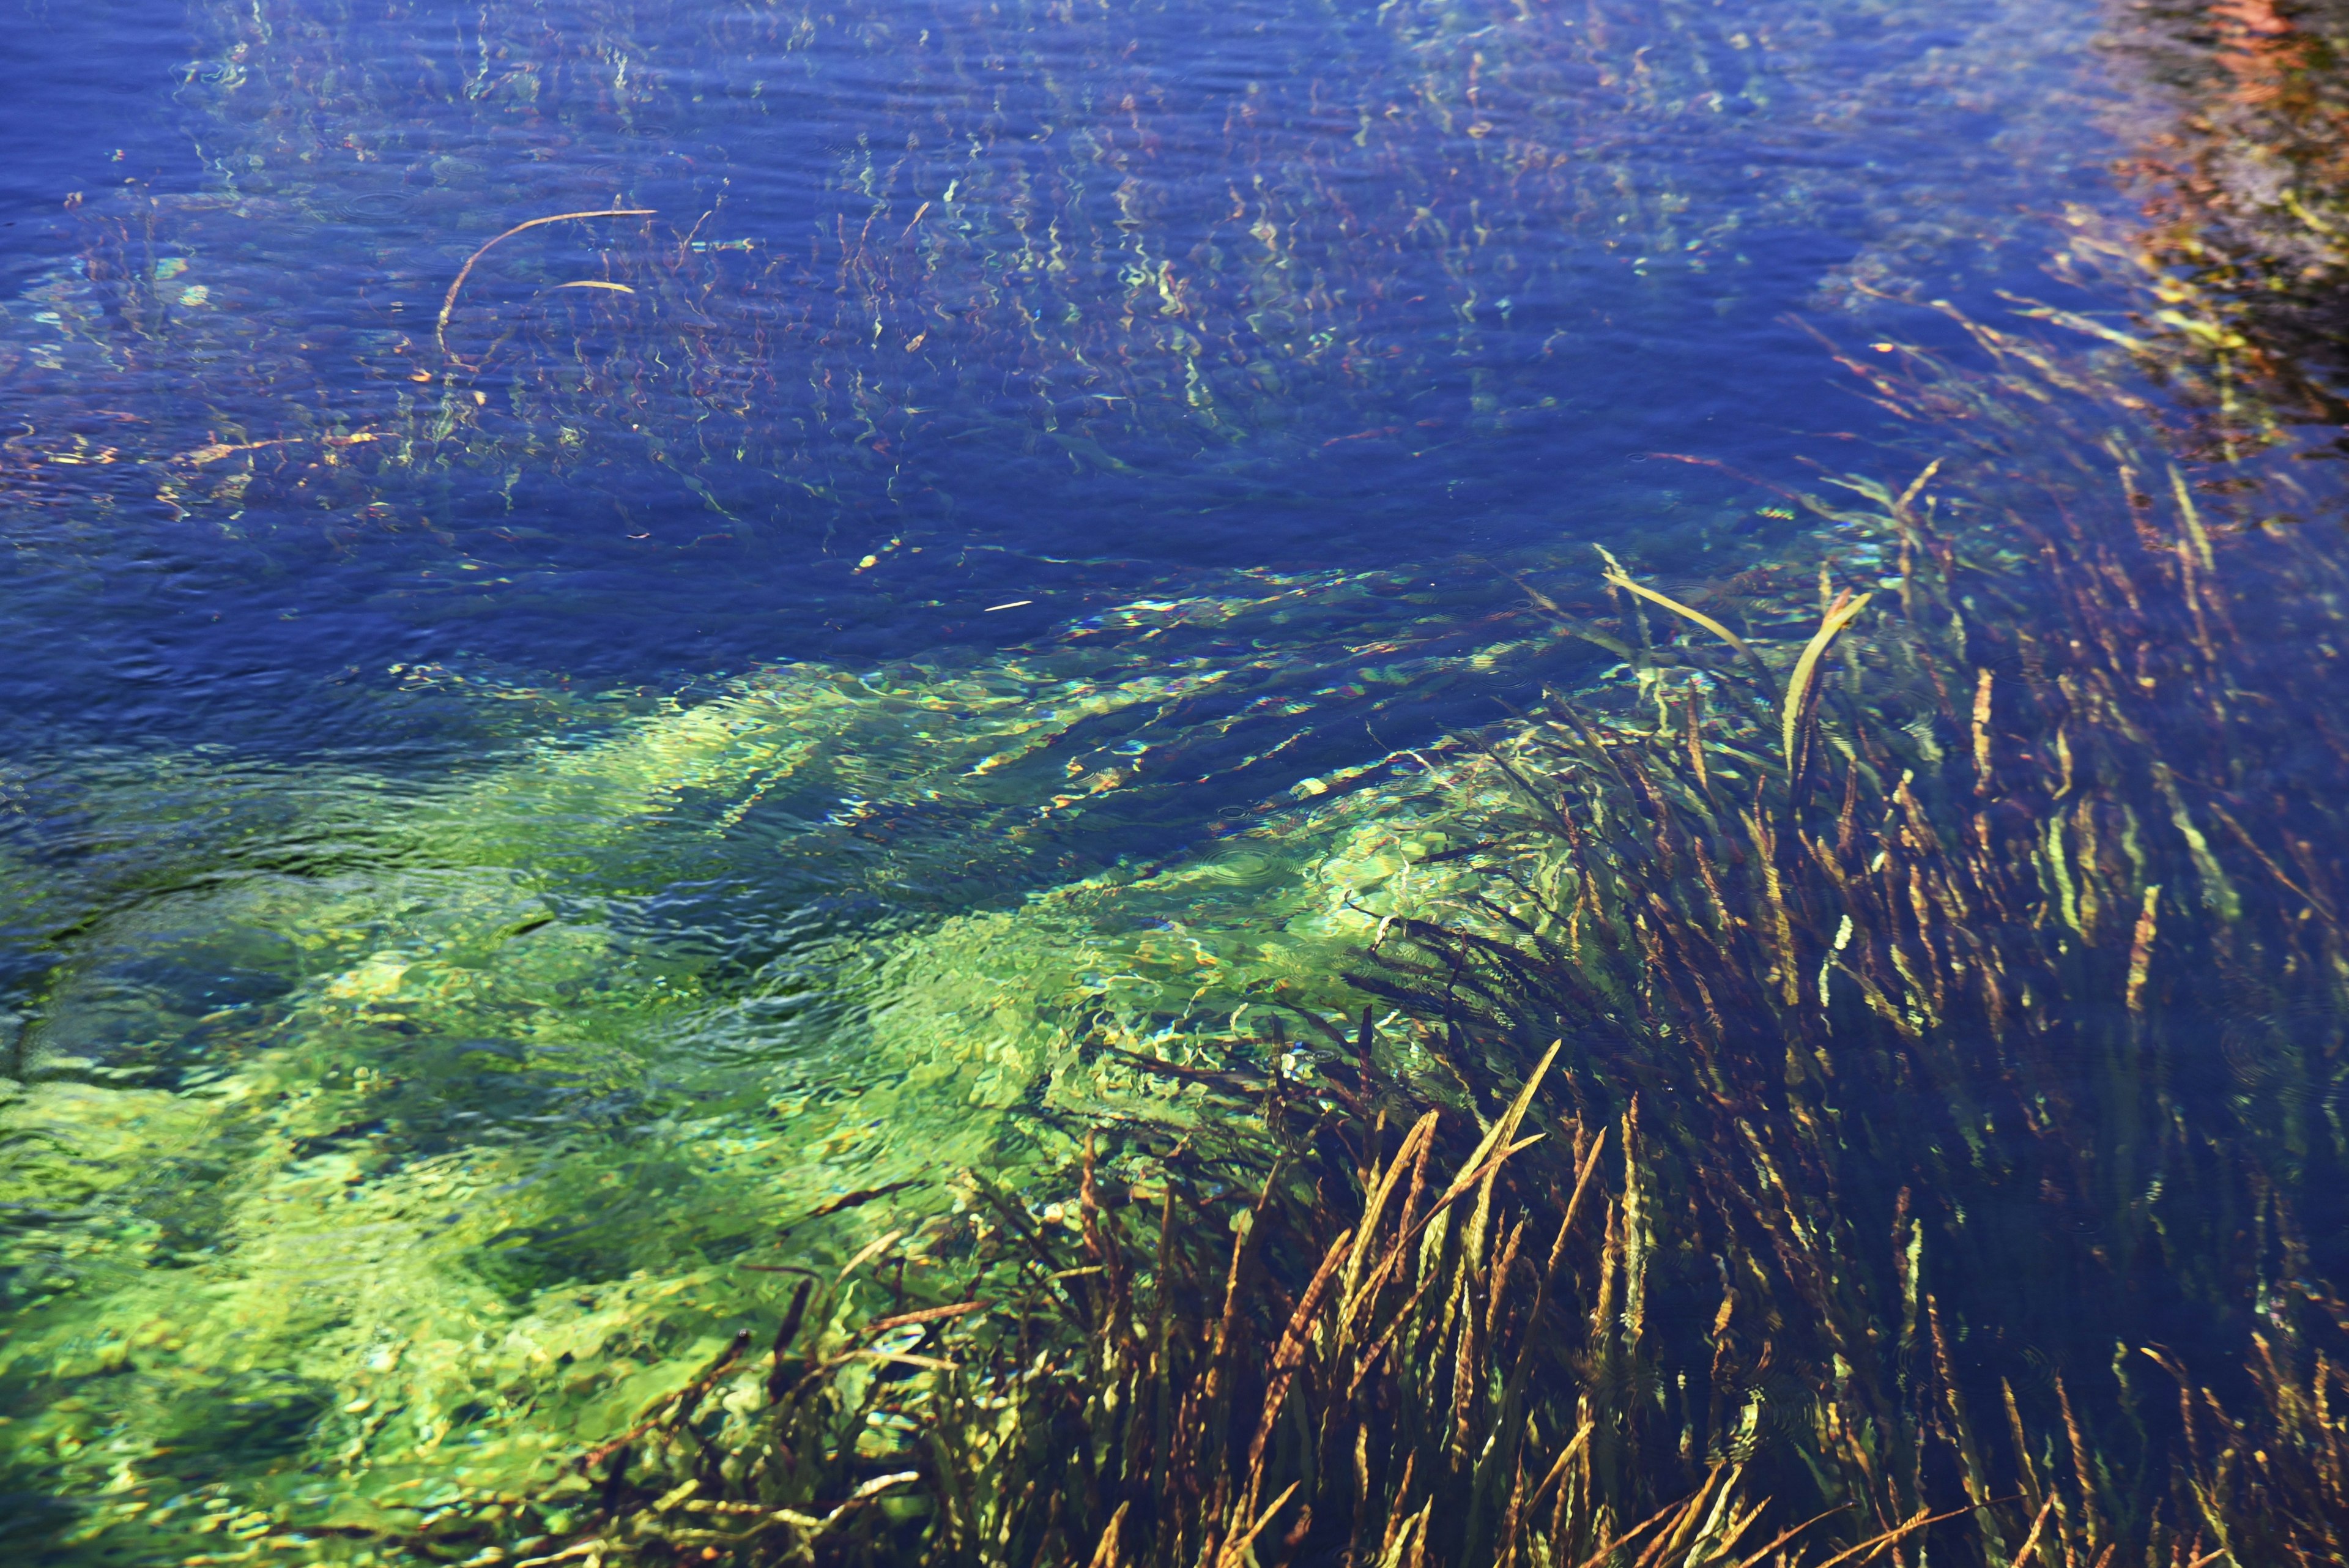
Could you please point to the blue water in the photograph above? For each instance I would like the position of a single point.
(1067, 306)
(1055, 429)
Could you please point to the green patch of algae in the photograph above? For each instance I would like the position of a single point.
(336, 1194)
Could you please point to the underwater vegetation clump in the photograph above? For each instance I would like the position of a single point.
(1874, 1096)
(344, 1195)
(1975, 975)
(996, 266)
(1323, 1334)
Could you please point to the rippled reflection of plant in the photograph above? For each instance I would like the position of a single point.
(2246, 182)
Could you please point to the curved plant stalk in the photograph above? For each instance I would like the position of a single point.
(448, 302)
(1799, 685)
(1622, 579)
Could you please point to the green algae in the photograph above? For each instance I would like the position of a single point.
(487, 1150)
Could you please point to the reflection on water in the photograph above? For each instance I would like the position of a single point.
(542, 748)
(2236, 152)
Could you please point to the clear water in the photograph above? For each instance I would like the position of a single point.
(524, 764)
(1069, 307)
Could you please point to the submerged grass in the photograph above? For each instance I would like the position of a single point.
(1877, 1090)
(1886, 1108)
(1428, 188)
(1987, 1030)
(1337, 1342)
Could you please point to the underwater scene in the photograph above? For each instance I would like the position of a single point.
(1148, 784)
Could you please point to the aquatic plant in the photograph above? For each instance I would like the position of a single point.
(1443, 203)
(1837, 1014)
(1979, 962)
(1339, 1340)
(347, 1188)
(1853, 962)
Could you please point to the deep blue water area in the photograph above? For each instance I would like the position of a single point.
(936, 309)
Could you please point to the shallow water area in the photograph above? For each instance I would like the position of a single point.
(626, 624)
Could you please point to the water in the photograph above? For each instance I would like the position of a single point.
(1335, 286)
(531, 750)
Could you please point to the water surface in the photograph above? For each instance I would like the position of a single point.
(533, 746)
